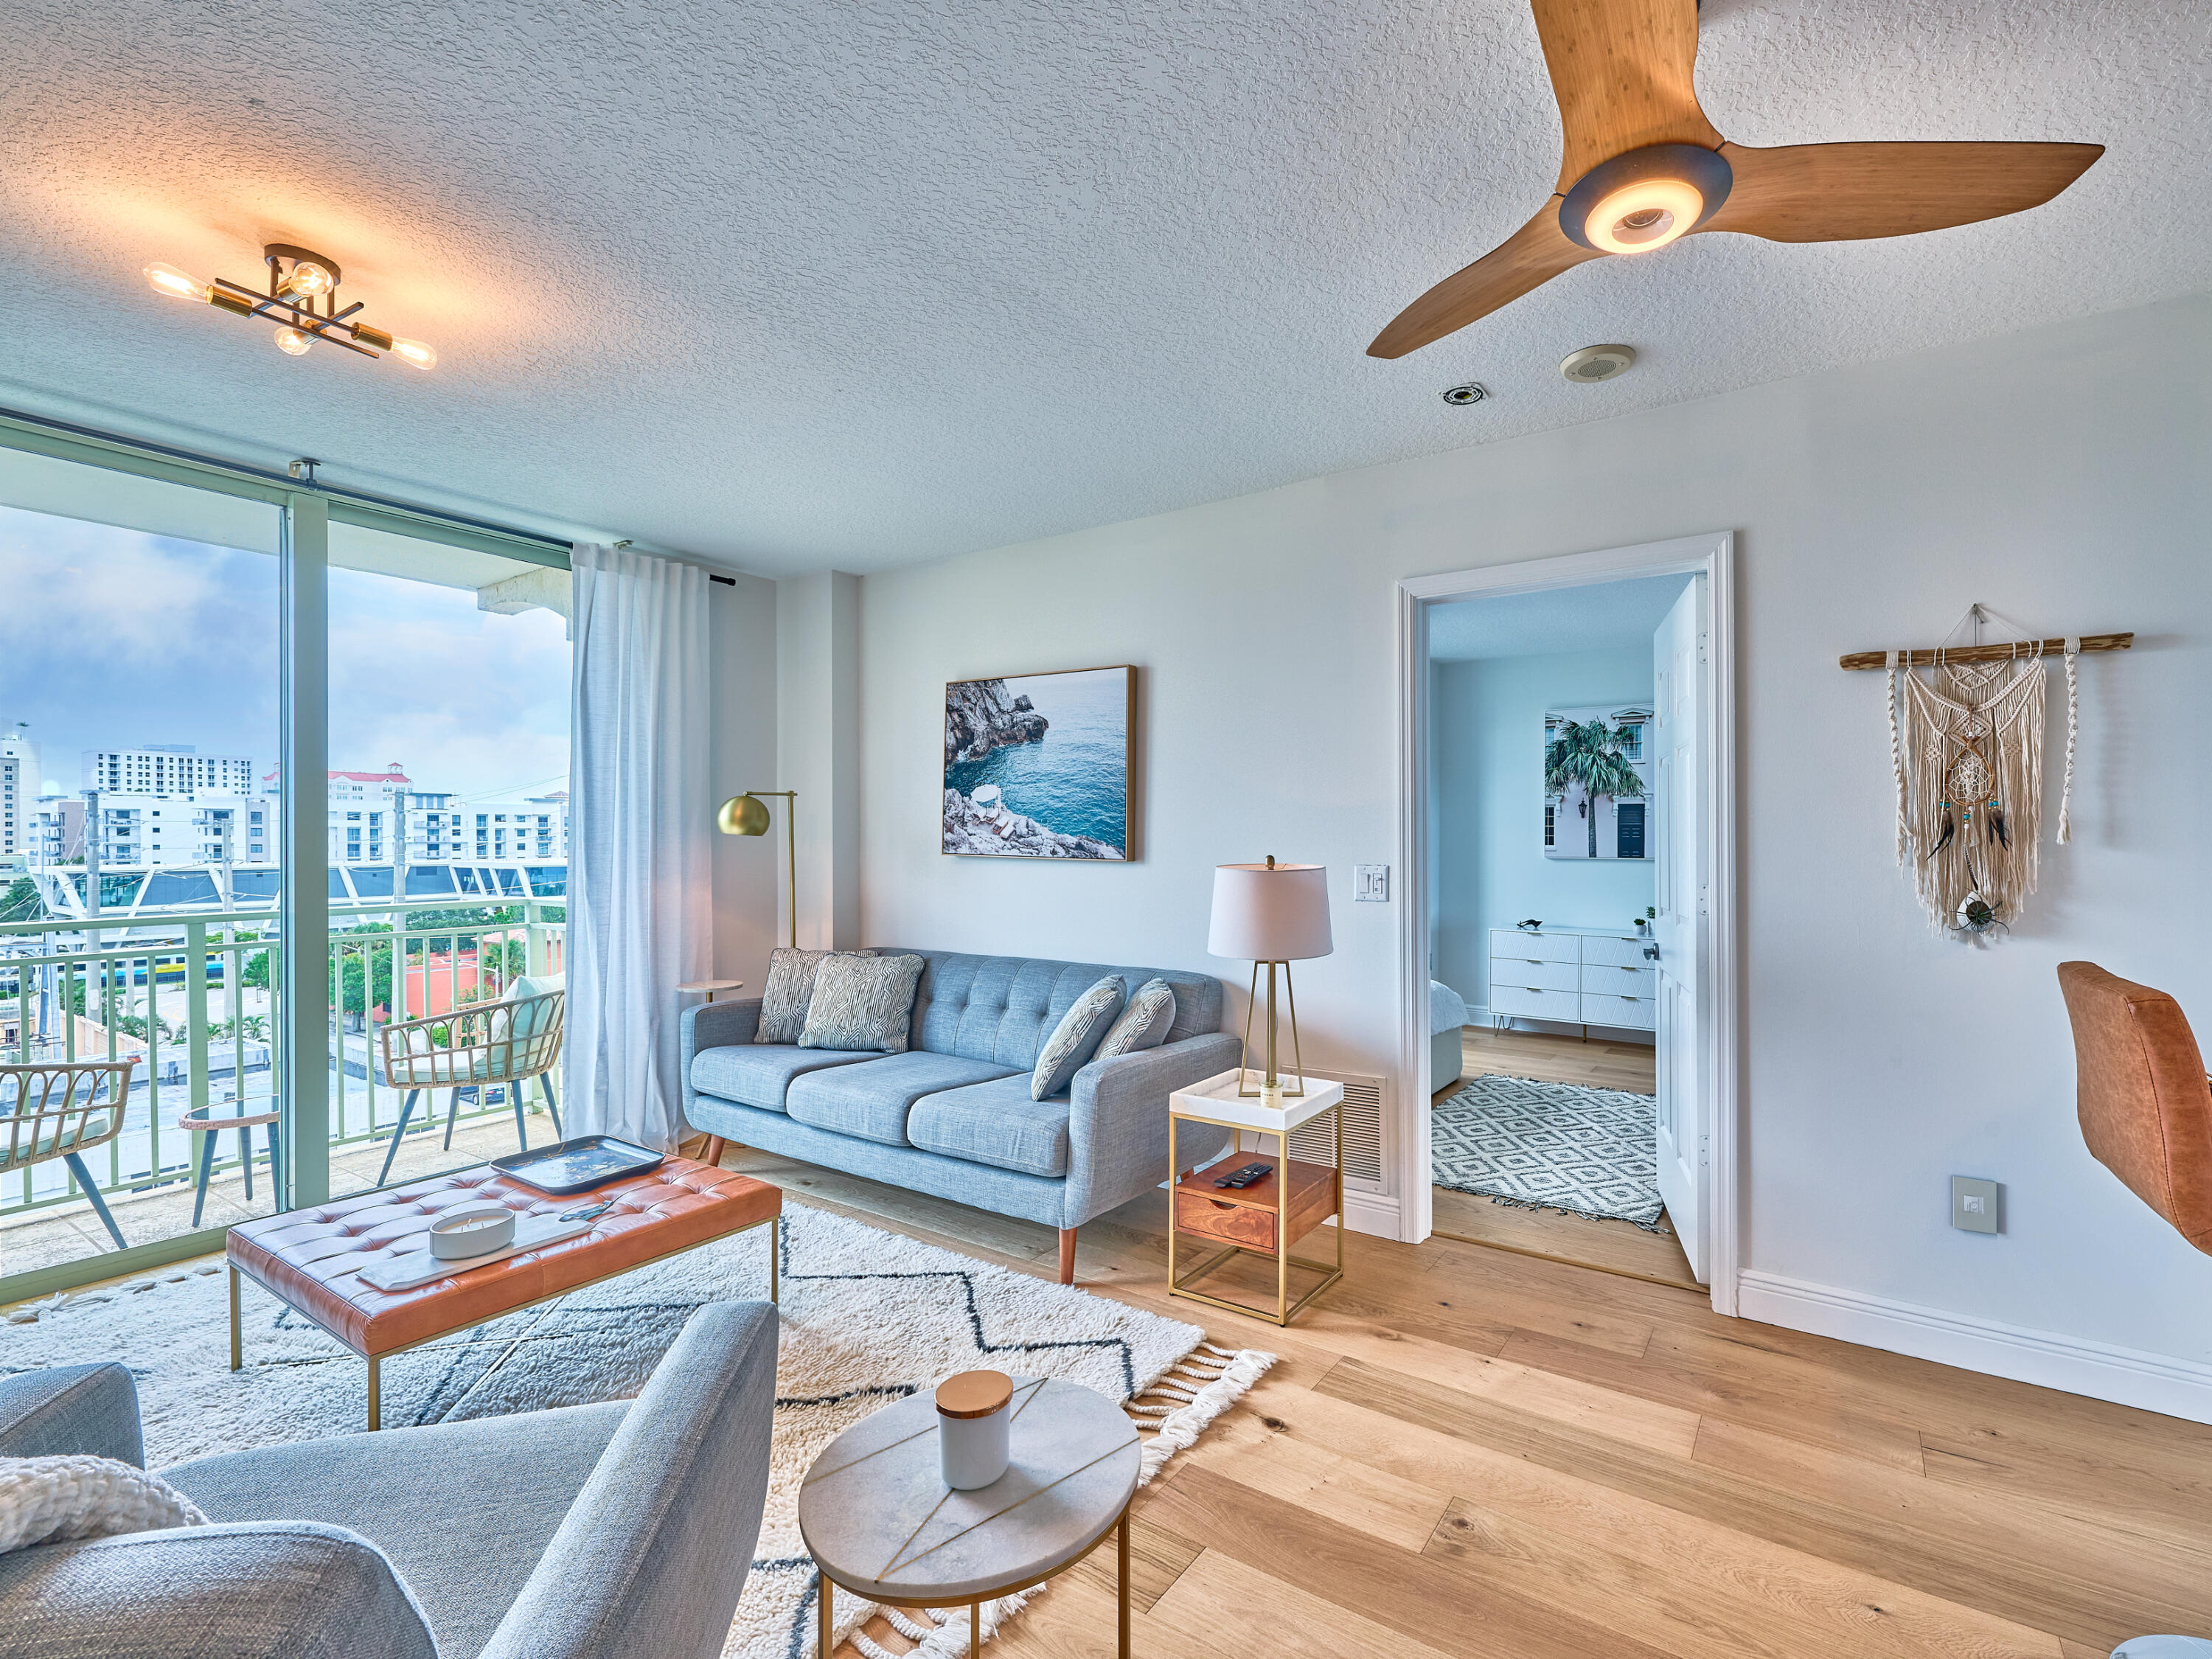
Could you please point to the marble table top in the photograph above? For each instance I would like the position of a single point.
(879, 1520)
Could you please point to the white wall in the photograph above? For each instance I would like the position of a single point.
(1487, 724)
(817, 752)
(2061, 476)
(741, 684)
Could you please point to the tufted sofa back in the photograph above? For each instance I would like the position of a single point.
(1001, 1009)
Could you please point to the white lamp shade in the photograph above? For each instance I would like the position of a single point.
(1264, 915)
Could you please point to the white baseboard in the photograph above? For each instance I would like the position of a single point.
(2127, 1377)
(1478, 1016)
(1371, 1212)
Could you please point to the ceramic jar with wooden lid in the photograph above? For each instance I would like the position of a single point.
(973, 1415)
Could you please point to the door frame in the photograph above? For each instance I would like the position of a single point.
(1713, 556)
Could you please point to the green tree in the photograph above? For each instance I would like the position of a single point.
(20, 903)
(365, 975)
(1586, 755)
(254, 976)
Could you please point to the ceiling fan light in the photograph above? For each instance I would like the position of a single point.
(1641, 217)
(168, 279)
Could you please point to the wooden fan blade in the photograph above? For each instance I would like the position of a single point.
(1527, 260)
(1848, 193)
(1622, 72)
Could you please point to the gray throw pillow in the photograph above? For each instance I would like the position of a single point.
(790, 987)
(1144, 1023)
(1075, 1037)
(862, 1002)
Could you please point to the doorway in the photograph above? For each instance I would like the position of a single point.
(1569, 860)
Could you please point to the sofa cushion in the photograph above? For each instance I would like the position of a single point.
(1075, 1038)
(1002, 1008)
(790, 987)
(996, 1123)
(870, 1100)
(862, 1001)
(1143, 1024)
(758, 1076)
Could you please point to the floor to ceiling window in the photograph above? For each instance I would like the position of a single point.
(236, 713)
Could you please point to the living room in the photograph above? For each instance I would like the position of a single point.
(1046, 368)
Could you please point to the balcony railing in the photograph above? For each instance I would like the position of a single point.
(198, 996)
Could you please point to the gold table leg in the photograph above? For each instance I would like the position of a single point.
(1121, 1549)
(775, 1251)
(823, 1598)
(974, 1628)
(236, 1357)
(375, 1395)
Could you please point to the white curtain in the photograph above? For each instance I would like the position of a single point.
(639, 907)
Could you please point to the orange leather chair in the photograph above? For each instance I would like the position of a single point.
(2145, 1112)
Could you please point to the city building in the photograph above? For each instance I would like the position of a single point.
(19, 790)
(166, 769)
(158, 830)
(57, 830)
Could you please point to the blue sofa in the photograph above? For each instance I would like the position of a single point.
(953, 1115)
(588, 1532)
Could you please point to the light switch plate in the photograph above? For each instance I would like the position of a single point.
(1973, 1204)
(1371, 883)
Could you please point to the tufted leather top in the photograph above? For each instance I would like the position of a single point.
(312, 1257)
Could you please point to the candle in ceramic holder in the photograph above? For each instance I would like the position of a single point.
(974, 1411)
(471, 1228)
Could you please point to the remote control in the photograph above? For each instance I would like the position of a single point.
(1243, 1177)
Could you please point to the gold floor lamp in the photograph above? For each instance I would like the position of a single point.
(747, 815)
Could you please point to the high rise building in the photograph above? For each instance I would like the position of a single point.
(19, 791)
(166, 769)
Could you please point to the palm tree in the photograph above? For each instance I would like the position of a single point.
(1587, 756)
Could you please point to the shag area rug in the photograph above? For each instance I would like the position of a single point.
(1551, 1146)
(868, 1317)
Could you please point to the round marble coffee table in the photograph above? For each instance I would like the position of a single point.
(878, 1519)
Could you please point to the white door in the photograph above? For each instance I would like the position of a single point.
(1681, 686)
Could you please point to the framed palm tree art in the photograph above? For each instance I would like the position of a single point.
(1596, 782)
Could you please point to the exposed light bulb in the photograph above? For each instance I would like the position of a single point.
(1641, 218)
(308, 282)
(414, 353)
(293, 342)
(168, 279)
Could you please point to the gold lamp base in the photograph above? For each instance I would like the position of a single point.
(1272, 1091)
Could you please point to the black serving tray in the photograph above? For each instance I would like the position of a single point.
(579, 1165)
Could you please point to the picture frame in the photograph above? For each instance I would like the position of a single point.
(1041, 765)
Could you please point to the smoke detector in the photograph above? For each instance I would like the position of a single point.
(1460, 396)
(1598, 363)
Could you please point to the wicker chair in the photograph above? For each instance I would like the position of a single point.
(508, 1042)
(63, 1110)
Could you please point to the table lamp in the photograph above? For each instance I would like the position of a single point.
(1271, 915)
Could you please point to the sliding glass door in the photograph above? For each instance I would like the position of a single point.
(280, 770)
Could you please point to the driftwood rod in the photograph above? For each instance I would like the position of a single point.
(1984, 653)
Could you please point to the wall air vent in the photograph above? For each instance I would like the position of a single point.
(1362, 1132)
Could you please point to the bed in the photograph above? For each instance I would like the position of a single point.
(1447, 1014)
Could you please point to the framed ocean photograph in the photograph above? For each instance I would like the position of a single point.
(1040, 766)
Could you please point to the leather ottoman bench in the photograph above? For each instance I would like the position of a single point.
(312, 1259)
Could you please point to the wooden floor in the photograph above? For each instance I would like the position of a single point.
(1465, 1451)
(1617, 1247)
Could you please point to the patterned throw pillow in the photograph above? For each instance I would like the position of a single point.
(862, 1002)
(1144, 1023)
(1074, 1038)
(790, 987)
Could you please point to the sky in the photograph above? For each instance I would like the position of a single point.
(112, 638)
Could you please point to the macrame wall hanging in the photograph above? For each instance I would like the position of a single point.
(1965, 744)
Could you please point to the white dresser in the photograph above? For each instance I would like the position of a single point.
(1576, 975)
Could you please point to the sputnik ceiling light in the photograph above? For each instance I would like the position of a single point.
(298, 278)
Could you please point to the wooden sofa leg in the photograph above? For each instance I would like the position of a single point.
(1068, 1256)
(713, 1151)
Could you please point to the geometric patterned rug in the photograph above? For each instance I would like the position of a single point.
(1537, 1146)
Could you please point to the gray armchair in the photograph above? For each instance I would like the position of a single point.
(573, 1534)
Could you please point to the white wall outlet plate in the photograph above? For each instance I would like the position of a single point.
(1973, 1204)
(1371, 883)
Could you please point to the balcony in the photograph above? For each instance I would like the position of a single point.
(196, 995)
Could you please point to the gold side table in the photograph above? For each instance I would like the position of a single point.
(1263, 1220)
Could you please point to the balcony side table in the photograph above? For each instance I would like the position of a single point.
(1267, 1218)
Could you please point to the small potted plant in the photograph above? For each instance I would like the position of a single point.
(1644, 922)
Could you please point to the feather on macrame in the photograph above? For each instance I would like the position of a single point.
(1966, 745)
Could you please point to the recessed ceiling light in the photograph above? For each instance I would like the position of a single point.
(1460, 396)
(1598, 363)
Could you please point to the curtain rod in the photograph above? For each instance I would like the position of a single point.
(241, 469)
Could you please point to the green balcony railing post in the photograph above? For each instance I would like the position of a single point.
(197, 1039)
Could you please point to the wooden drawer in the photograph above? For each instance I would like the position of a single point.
(1606, 951)
(1620, 982)
(1544, 947)
(1536, 1005)
(1534, 976)
(1634, 1014)
(1247, 1217)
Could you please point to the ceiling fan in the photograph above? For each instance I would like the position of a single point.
(1644, 167)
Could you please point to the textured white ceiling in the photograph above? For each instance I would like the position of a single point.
(1600, 617)
(790, 285)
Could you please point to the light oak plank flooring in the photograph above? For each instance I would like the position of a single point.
(1614, 1246)
(1466, 1451)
